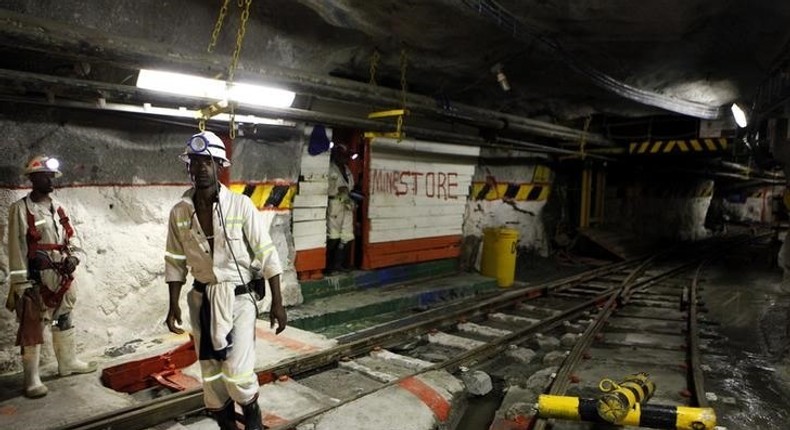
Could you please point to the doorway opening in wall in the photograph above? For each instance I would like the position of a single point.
(346, 170)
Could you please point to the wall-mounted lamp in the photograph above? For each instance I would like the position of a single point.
(496, 69)
(739, 115)
(196, 86)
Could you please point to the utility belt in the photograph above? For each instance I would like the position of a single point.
(200, 287)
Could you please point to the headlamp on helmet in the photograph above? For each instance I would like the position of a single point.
(206, 144)
(43, 163)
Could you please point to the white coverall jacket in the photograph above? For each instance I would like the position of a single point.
(340, 217)
(256, 256)
(47, 222)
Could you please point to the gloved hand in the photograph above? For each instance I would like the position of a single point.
(70, 264)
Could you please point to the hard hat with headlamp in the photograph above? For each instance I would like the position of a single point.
(206, 144)
(43, 163)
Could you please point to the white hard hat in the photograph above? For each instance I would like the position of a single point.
(207, 144)
(43, 163)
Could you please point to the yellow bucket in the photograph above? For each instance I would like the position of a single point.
(499, 255)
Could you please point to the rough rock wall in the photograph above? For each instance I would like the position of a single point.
(120, 286)
(121, 177)
(660, 210)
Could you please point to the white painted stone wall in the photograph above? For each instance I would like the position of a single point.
(121, 290)
(310, 202)
(756, 207)
(524, 216)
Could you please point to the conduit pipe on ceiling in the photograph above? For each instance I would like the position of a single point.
(735, 176)
(21, 31)
(310, 117)
(748, 170)
(342, 89)
(513, 26)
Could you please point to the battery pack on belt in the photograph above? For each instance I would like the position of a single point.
(200, 287)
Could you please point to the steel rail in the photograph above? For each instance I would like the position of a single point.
(177, 405)
(696, 377)
(562, 380)
(481, 352)
(489, 349)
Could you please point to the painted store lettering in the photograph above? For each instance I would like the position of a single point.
(435, 185)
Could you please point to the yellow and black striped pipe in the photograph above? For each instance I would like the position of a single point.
(651, 416)
(618, 399)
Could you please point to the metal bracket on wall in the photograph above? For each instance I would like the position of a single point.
(398, 133)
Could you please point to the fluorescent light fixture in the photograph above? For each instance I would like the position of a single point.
(739, 115)
(196, 86)
(191, 114)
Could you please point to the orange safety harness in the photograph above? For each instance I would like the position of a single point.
(35, 251)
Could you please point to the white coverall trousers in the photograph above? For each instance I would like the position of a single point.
(340, 222)
(233, 378)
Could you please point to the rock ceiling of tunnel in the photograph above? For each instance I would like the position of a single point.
(702, 51)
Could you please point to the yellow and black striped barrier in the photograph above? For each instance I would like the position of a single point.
(510, 191)
(689, 146)
(651, 416)
(267, 196)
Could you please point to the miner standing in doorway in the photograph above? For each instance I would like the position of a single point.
(223, 239)
(42, 260)
(340, 210)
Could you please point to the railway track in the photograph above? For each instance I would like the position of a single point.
(559, 338)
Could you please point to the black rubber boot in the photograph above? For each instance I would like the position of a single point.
(339, 257)
(331, 255)
(252, 415)
(226, 417)
(345, 257)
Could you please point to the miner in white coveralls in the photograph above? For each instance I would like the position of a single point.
(42, 257)
(222, 238)
(340, 210)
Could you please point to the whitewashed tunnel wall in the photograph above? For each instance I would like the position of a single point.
(510, 189)
(120, 179)
(309, 213)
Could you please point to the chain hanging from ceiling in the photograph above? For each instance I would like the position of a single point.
(398, 113)
(227, 106)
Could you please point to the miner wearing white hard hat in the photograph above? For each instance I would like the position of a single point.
(220, 236)
(42, 248)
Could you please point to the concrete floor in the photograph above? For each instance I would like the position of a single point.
(752, 367)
